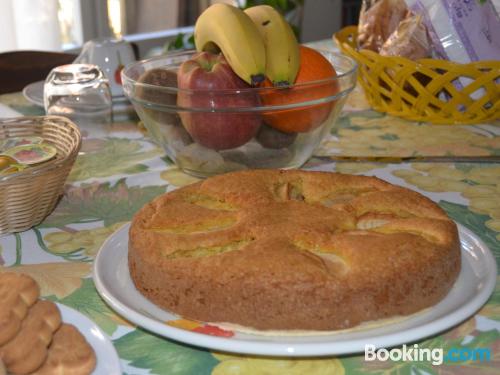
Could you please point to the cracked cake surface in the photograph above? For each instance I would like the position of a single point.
(283, 250)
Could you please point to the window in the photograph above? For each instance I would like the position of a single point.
(66, 24)
(40, 24)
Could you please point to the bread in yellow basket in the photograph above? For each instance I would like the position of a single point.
(425, 89)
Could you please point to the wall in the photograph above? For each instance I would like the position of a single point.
(321, 19)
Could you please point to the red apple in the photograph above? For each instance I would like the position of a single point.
(200, 80)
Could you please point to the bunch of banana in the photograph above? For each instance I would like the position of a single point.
(282, 49)
(257, 42)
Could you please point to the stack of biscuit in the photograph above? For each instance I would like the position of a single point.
(33, 339)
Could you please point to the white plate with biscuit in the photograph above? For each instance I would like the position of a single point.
(42, 337)
(107, 361)
(472, 289)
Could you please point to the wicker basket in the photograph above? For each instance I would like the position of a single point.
(425, 90)
(27, 197)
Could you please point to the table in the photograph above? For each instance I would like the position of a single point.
(119, 170)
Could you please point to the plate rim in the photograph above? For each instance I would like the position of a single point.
(30, 98)
(267, 348)
(116, 100)
(111, 355)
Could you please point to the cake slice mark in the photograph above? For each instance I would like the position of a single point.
(330, 200)
(427, 236)
(294, 190)
(399, 203)
(335, 259)
(388, 223)
(372, 220)
(207, 251)
(288, 191)
(199, 227)
(370, 224)
(390, 212)
(328, 254)
(210, 202)
(342, 196)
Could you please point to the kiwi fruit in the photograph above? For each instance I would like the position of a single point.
(164, 78)
(270, 137)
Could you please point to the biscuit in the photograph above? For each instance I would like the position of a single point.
(284, 250)
(69, 353)
(17, 293)
(28, 349)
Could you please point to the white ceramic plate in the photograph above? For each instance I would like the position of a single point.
(475, 284)
(107, 359)
(34, 93)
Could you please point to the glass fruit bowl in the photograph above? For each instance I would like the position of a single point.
(211, 131)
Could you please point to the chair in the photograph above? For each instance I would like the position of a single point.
(19, 68)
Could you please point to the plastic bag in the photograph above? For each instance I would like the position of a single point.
(461, 30)
(409, 40)
(378, 20)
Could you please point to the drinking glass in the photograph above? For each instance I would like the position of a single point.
(79, 92)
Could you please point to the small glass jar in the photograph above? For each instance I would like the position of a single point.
(79, 92)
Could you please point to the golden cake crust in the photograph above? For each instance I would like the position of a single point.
(274, 249)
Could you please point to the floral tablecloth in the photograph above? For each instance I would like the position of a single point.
(119, 170)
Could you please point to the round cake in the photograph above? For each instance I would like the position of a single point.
(293, 250)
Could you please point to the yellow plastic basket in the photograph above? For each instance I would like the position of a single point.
(426, 90)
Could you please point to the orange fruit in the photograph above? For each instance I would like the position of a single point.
(313, 67)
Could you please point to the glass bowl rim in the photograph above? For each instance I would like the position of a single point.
(170, 89)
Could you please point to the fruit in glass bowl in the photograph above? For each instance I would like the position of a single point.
(249, 97)
(200, 160)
